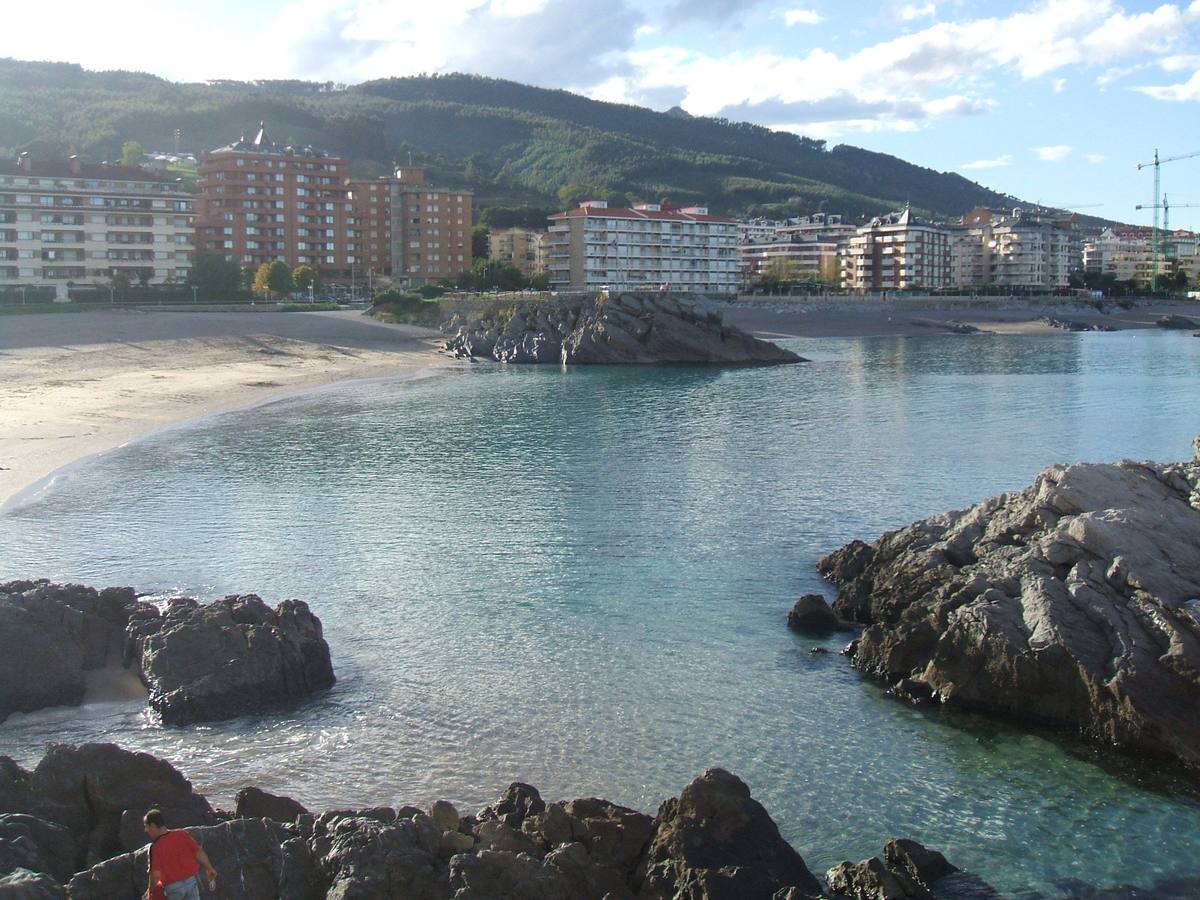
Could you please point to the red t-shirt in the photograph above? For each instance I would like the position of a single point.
(173, 856)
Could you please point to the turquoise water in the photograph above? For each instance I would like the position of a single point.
(579, 579)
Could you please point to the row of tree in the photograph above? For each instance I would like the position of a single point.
(216, 278)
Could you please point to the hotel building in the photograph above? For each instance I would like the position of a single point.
(65, 223)
(430, 230)
(522, 248)
(897, 252)
(644, 248)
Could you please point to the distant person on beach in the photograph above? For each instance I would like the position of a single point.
(175, 861)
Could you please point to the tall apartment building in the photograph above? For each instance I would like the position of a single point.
(644, 248)
(896, 252)
(1021, 250)
(369, 227)
(430, 229)
(65, 222)
(523, 248)
(1127, 255)
(262, 201)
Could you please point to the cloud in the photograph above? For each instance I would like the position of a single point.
(910, 11)
(1054, 153)
(1060, 85)
(687, 12)
(1095, 157)
(1178, 93)
(802, 17)
(998, 163)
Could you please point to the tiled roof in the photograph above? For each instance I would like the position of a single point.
(621, 213)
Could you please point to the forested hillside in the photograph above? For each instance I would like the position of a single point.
(512, 144)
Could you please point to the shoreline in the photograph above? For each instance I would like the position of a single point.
(76, 387)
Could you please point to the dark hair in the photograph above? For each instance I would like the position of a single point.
(154, 817)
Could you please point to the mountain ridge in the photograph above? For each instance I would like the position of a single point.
(511, 143)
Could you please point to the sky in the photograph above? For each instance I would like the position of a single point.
(1055, 101)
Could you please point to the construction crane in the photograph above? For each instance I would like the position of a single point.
(1156, 162)
(1165, 206)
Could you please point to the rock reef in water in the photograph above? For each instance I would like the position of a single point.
(1072, 603)
(610, 329)
(198, 662)
(713, 842)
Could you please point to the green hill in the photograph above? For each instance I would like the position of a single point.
(512, 144)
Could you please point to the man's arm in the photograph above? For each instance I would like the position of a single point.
(155, 874)
(209, 871)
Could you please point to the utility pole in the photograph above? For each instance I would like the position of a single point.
(1156, 162)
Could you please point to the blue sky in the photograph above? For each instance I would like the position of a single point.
(1053, 101)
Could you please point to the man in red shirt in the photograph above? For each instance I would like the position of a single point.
(175, 860)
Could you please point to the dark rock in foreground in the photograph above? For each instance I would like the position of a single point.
(713, 842)
(1074, 602)
(813, 615)
(199, 663)
(1176, 323)
(611, 329)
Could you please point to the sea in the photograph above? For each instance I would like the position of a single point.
(578, 578)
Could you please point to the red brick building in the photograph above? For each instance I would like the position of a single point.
(261, 201)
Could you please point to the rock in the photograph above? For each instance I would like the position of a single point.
(872, 880)
(252, 803)
(1075, 325)
(1073, 603)
(715, 842)
(812, 614)
(90, 789)
(613, 835)
(496, 835)
(198, 662)
(921, 864)
(1173, 322)
(22, 884)
(519, 801)
(613, 329)
(27, 842)
(363, 858)
(453, 842)
(444, 815)
(500, 875)
(230, 658)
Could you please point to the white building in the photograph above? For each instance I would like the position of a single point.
(798, 257)
(895, 252)
(644, 248)
(1021, 251)
(1127, 254)
(64, 222)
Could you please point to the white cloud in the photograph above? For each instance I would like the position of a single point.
(910, 11)
(1095, 157)
(1060, 85)
(998, 163)
(1055, 153)
(1185, 91)
(802, 17)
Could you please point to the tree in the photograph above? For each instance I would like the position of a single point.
(132, 153)
(120, 280)
(214, 276)
(144, 275)
(305, 277)
(273, 279)
(479, 242)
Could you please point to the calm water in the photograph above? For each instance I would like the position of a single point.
(579, 579)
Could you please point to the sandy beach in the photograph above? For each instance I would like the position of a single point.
(74, 385)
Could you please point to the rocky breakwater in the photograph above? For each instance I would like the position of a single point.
(197, 662)
(1072, 603)
(608, 329)
(70, 831)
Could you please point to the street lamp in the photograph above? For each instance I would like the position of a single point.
(194, 289)
(22, 289)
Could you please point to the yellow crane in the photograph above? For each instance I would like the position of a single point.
(1156, 162)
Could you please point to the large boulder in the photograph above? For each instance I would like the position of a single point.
(715, 842)
(199, 663)
(27, 842)
(1074, 602)
(53, 635)
(365, 858)
(254, 803)
(229, 658)
(23, 884)
(608, 329)
(811, 614)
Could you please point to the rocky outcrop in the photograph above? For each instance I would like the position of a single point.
(1075, 324)
(233, 656)
(610, 329)
(253, 803)
(716, 841)
(1074, 603)
(1176, 323)
(713, 842)
(908, 871)
(199, 663)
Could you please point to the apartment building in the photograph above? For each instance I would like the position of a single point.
(1019, 250)
(261, 201)
(649, 247)
(523, 248)
(64, 222)
(1127, 254)
(430, 229)
(898, 251)
(369, 227)
(802, 256)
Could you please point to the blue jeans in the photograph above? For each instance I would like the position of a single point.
(187, 889)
